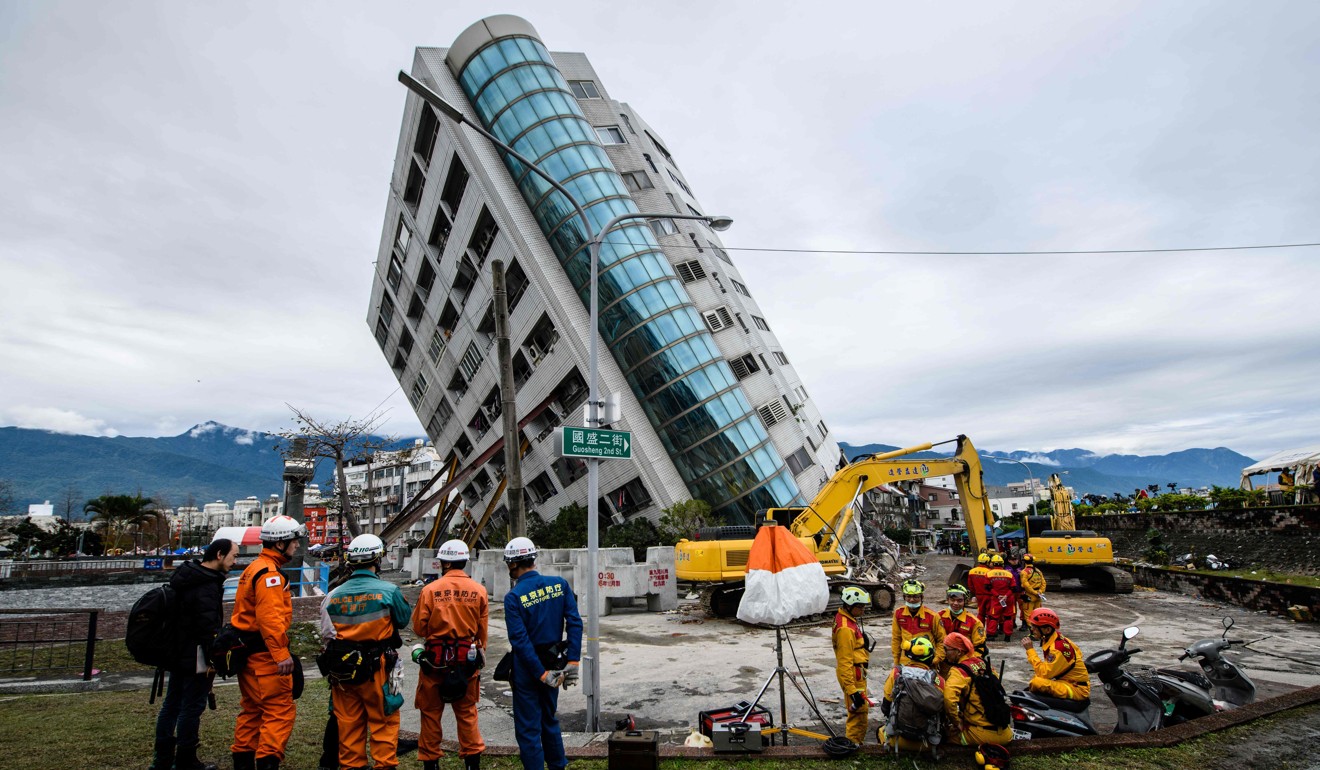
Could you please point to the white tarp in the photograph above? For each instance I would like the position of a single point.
(1306, 457)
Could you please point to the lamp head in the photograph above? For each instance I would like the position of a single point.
(431, 97)
(719, 223)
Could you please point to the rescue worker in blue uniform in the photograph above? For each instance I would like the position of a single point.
(545, 632)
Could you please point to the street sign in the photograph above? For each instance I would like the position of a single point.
(594, 442)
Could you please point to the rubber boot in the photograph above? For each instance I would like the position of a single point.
(268, 763)
(245, 760)
(187, 759)
(430, 764)
(164, 758)
(472, 762)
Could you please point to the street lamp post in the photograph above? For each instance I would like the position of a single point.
(1031, 480)
(591, 656)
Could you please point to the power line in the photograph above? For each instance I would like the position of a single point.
(1018, 253)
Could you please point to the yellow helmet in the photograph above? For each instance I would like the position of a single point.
(996, 561)
(983, 559)
(920, 649)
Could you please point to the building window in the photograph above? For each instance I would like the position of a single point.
(717, 319)
(636, 181)
(569, 469)
(427, 130)
(426, 278)
(824, 431)
(781, 358)
(541, 488)
(387, 310)
(690, 271)
(412, 191)
(630, 497)
(773, 412)
(674, 202)
(799, 461)
(395, 274)
(440, 229)
(541, 340)
(760, 323)
(455, 183)
(419, 388)
(522, 371)
(679, 182)
(694, 212)
(663, 227)
(650, 163)
(744, 366)
(471, 362)
(483, 237)
(584, 89)
(436, 347)
(401, 237)
(801, 392)
(457, 385)
(443, 414)
(610, 135)
(382, 332)
(738, 287)
(515, 284)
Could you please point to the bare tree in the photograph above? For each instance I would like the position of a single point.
(340, 441)
(72, 499)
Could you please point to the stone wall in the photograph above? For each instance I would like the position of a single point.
(1251, 594)
(1285, 539)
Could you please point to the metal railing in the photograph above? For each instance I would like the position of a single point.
(48, 640)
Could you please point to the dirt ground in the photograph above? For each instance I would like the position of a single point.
(665, 668)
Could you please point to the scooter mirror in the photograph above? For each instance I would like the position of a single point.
(1228, 623)
(1130, 632)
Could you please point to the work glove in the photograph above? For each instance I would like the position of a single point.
(553, 679)
(858, 701)
(571, 674)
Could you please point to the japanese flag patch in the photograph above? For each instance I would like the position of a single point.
(272, 581)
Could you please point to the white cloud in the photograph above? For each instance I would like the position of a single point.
(56, 420)
(245, 438)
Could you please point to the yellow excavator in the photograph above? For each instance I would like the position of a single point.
(717, 561)
(1062, 551)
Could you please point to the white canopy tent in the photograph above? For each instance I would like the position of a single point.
(1303, 461)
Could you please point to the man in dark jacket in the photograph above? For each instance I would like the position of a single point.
(199, 588)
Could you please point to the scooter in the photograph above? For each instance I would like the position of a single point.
(1040, 716)
(1150, 701)
(1230, 686)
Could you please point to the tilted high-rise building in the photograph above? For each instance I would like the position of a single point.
(716, 410)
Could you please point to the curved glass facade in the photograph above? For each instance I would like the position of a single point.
(647, 321)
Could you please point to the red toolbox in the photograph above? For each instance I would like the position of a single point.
(735, 713)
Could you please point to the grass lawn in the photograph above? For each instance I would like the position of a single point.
(1269, 575)
(112, 731)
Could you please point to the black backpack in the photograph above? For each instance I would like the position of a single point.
(917, 707)
(152, 629)
(990, 691)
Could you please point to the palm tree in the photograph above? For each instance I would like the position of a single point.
(117, 513)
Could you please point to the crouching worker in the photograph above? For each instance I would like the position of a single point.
(545, 631)
(366, 613)
(1060, 670)
(974, 700)
(914, 700)
(852, 655)
(452, 619)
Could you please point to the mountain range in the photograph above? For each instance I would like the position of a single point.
(1089, 473)
(211, 461)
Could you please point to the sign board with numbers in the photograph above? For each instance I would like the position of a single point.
(594, 442)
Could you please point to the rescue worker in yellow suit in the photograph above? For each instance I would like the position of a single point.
(919, 656)
(957, 619)
(452, 619)
(1033, 587)
(366, 614)
(852, 657)
(1059, 667)
(263, 614)
(968, 724)
(914, 619)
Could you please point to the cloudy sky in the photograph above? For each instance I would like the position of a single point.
(193, 195)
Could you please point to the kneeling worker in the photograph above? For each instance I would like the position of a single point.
(367, 613)
(972, 718)
(1060, 670)
(915, 725)
(452, 619)
(852, 656)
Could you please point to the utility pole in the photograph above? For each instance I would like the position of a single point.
(508, 404)
(298, 470)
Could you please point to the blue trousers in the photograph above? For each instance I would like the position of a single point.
(181, 710)
(540, 743)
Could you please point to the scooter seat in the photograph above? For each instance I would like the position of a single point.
(1195, 678)
(1063, 704)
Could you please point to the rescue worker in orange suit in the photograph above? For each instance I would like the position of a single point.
(957, 619)
(914, 619)
(1059, 667)
(1003, 599)
(852, 656)
(968, 724)
(976, 581)
(263, 612)
(366, 614)
(452, 619)
(1032, 582)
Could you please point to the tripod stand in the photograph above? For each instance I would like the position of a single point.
(784, 727)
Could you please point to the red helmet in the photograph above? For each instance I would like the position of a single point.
(1044, 617)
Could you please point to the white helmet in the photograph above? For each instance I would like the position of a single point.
(519, 549)
(364, 549)
(281, 529)
(453, 550)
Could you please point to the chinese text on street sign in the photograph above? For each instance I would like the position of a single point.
(594, 442)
